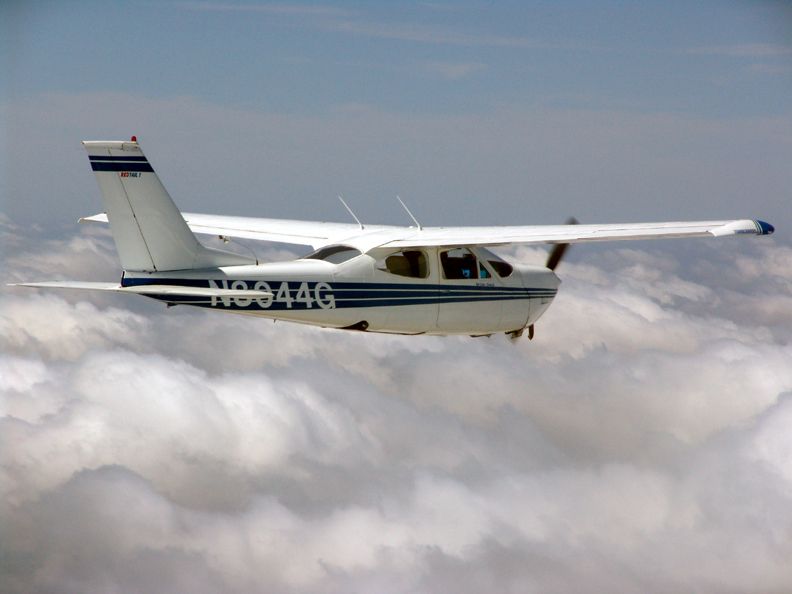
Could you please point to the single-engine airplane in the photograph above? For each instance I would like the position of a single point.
(375, 278)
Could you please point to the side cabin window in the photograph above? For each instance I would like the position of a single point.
(410, 263)
(335, 254)
(461, 263)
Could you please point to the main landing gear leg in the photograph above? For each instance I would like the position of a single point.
(515, 334)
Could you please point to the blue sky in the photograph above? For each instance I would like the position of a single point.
(713, 58)
(473, 112)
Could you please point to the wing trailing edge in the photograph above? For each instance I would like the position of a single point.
(557, 234)
(318, 234)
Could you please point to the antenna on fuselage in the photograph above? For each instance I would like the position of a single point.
(350, 211)
(404, 206)
(227, 239)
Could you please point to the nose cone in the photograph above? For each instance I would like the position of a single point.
(765, 228)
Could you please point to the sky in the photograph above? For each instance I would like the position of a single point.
(639, 443)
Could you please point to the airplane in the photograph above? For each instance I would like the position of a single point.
(374, 278)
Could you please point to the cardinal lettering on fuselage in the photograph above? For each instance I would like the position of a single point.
(306, 294)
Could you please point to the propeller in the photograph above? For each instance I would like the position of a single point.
(553, 260)
(559, 249)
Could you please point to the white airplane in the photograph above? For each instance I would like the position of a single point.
(376, 278)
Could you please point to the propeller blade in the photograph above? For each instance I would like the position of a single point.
(560, 248)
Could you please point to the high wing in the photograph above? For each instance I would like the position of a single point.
(495, 236)
(318, 234)
(313, 233)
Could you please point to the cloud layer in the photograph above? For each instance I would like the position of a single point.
(640, 443)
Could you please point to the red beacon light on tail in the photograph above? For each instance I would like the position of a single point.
(133, 139)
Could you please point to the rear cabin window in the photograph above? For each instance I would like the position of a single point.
(335, 254)
(411, 263)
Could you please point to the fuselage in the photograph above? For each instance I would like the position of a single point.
(427, 291)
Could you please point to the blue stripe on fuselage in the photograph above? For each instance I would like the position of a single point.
(335, 285)
(347, 294)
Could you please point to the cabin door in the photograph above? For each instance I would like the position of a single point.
(467, 287)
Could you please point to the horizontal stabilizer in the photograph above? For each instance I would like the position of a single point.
(174, 290)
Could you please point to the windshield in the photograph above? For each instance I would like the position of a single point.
(335, 254)
(502, 268)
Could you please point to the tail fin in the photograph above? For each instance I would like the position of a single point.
(149, 231)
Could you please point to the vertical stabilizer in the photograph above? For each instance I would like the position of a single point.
(149, 231)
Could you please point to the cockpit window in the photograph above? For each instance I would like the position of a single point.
(335, 254)
(504, 269)
(461, 263)
(501, 268)
(411, 263)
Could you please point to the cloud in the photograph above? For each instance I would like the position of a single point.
(355, 23)
(147, 448)
(744, 50)
(432, 35)
(771, 69)
(453, 70)
(286, 9)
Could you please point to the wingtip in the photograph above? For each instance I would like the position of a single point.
(764, 228)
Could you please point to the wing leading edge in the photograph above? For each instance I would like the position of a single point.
(494, 236)
(314, 233)
(319, 234)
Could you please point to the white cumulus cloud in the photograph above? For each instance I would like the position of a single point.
(639, 443)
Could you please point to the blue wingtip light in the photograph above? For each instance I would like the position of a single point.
(765, 228)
